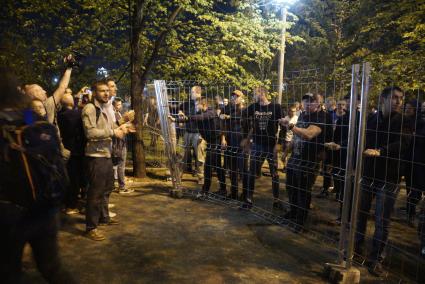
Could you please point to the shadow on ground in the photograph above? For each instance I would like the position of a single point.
(165, 240)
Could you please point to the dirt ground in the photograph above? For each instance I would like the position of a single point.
(165, 240)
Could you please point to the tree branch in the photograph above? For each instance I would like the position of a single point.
(158, 43)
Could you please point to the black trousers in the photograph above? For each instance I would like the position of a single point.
(213, 161)
(299, 184)
(101, 183)
(75, 167)
(259, 154)
(39, 229)
(238, 167)
(415, 185)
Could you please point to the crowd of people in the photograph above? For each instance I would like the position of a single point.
(57, 153)
(314, 140)
(68, 149)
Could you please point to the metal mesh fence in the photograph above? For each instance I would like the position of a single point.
(152, 137)
(291, 164)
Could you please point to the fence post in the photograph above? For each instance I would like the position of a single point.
(169, 134)
(348, 184)
(359, 162)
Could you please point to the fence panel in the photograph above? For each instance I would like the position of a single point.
(296, 164)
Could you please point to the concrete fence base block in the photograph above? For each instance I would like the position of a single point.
(338, 274)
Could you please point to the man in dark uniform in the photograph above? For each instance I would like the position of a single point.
(232, 141)
(388, 136)
(303, 166)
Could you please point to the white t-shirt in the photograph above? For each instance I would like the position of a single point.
(289, 134)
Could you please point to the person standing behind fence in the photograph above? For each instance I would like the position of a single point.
(99, 130)
(415, 163)
(288, 135)
(151, 119)
(210, 130)
(232, 139)
(330, 111)
(192, 138)
(264, 117)
(388, 137)
(339, 147)
(304, 163)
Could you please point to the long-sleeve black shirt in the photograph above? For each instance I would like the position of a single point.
(72, 131)
(189, 108)
(392, 136)
(208, 124)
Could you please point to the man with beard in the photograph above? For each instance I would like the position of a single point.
(99, 129)
(388, 137)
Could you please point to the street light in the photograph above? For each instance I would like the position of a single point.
(103, 72)
(285, 4)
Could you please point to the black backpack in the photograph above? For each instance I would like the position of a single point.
(39, 151)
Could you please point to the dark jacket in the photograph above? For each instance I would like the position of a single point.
(341, 138)
(71, 128)
(391, 135)
(189, 108)
(415, 159)
(208, 124)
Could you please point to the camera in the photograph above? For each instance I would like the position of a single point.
(77, 58)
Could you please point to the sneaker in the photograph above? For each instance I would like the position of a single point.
(126, 191)
(111, 205)
(95, 235)
(110, 222)
(247, 204)
(277, 204)
(112, 214)
(71, 211)
(200, 195)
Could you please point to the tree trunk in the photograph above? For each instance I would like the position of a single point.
(137, 85)
(139, 77)
(139, 159)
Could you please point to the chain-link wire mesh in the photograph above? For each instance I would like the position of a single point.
(152, 137)
(288, 163)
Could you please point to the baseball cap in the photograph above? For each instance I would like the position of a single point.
(308, 96)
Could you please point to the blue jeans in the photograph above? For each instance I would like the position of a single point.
(259, 153)
(385, 195)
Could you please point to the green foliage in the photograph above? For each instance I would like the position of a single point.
(210, 40)
(228, 41)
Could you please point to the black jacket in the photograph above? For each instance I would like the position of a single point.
(72, 131)
(208, 123)
(391, 135)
